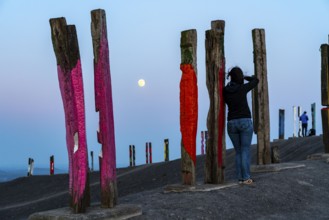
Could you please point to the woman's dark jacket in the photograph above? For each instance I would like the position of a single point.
(235, 96)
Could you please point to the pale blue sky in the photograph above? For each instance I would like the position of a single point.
(144, 38)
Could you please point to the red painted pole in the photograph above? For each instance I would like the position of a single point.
(188, 105)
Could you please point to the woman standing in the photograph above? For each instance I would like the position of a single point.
(239, 124)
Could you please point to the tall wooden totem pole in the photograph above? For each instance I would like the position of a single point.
(104, 105)
(325, 94)
(188, 105)
(260, 101)
(215, 75)
(65, 43)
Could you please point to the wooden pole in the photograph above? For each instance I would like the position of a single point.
(104, 105)
(299, 113)
(150, 152)
(166, 150)
(215, 78)
(188, 105)
(146, 152)
(130, 156)
(325, 94)
(313, 111)
(261, 116)
(294, 109)
(29, 166)
(202, 142)
(52, 166)
(134, 156)
(65, 43)
(281, 123)
(92, 160)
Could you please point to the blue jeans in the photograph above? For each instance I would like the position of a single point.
(240, 132)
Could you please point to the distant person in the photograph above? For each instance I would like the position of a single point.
(304, 119)
(239, 124)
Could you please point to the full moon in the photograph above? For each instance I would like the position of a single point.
(141, 82)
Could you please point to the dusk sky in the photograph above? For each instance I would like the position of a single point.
(144, 43)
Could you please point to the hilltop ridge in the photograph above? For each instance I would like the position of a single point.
(296, 194)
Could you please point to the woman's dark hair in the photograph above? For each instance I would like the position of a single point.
(236, 75)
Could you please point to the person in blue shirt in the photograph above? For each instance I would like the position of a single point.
(304, 119)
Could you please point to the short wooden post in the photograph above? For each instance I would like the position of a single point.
(261, 116)
(202, 142)
(134, 156)
(66, 48)
(32, 167)
(130, 156)
(104, 105)
(294, 109)
(281, 123)
(215, 78)
(146, 152)
(150, 152)
(188, 105)
(325, 94)
(52, 165)
(92, 160)
(166, 150)
(299, 113)
(313, 112)
(275, 154)
(29, 167)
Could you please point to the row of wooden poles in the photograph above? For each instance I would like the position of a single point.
(69, 69)
(297, 110)
(148, 153)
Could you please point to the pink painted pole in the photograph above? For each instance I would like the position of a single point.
(104, 105)
(69, 70)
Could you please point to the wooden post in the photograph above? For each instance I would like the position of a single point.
(52, 165)
(281, 123)
(150, 152)
(275, 154)
(299, 113)
(29, 167)
(65, 43)
(325, 94)
(146, 152)
(313, 112)
(92, 160)
(215, 78)
(188, 105)
(104, 105)
(166, 150)
(261, 116)
(130, 156)
(294, 109)
(325, 128)
(134, 156)
(202, 142)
